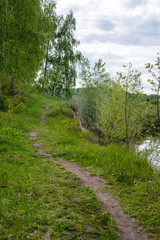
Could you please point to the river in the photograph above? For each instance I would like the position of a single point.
(151, 146)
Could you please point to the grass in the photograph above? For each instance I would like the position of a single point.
(129, 175)
(67, 141)
(40, 198)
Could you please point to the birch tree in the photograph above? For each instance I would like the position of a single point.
(21, 41)
(154, 70)
(120, 112)
(95, 80)
(133, 102)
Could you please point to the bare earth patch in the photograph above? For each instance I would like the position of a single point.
(43, 116)
(127, 229)
(47, 235)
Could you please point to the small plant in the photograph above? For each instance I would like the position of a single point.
(105, 218)
(14, 106)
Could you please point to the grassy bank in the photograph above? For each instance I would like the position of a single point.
(129, 176)
(39, 199)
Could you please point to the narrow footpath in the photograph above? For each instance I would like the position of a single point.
(127, 228)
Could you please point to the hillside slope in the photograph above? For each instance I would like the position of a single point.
(41, 200)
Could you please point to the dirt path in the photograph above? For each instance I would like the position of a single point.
(127, 229)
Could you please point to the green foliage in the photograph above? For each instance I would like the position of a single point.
(49, 25)
(134, 104)
(116, 109)
(60, 108)
(59, 70)
(110, 114)
(21, 41)
(4, 102)
(151, 97)
(154, 69)
(95, 81)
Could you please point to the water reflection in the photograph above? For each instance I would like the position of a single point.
(151, 147)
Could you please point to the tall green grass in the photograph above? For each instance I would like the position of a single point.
(73, 144)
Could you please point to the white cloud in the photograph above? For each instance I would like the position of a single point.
(116, 31)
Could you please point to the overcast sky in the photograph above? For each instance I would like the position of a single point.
(117, 31)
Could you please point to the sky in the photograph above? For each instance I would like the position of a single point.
(117, 31)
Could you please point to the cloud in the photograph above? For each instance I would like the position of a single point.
(117, 31)
(135, 31)
(105, 25)
(140, 31)
(135, 3)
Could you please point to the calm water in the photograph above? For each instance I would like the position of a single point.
(152, 147)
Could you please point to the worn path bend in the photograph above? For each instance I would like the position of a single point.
(127, 229)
